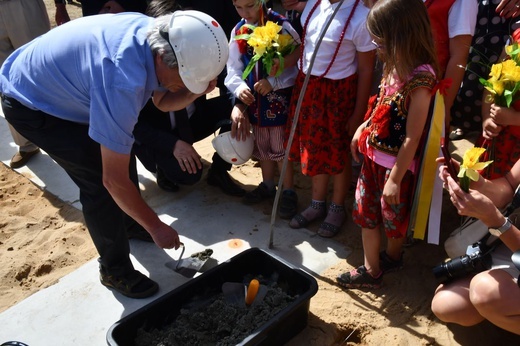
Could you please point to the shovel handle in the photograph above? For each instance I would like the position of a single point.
(180, 256)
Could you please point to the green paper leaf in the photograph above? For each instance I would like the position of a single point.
(250, 66)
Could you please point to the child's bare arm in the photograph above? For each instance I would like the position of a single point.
(416, 120)
(366, 62)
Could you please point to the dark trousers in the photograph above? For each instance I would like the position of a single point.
(155, 138)
(69, 144)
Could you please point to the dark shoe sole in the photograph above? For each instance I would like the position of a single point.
(360, 286)
(169, 186)
(328, 230)
(125, 286)
(235, 191)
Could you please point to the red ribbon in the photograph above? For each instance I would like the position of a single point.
(443, 85)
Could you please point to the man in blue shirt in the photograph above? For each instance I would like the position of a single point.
(77, 91)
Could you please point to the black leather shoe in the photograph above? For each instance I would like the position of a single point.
(222, 179)
(164, 183)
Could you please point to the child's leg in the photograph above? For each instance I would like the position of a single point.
(391, 259)
(268, 168)
(289, 198)
(394, 248)
(368, 275)
(317, 209)
(336, 215)
(342, 184)
(320, 184)
(267, 188)
(371, 245)
(288, 179)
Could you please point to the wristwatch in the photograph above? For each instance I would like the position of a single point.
(497, 232)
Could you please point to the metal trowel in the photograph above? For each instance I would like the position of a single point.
(190, 266)
(236, 292)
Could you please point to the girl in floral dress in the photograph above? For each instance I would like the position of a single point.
(390, 137)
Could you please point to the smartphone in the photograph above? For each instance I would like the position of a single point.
(449, 164)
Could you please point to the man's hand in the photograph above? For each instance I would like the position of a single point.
(165, 237)
(508, 8)
(240, 126)
(187, 156)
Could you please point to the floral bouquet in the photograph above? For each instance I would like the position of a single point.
(504, 81)
(470, 166)
(267, 43)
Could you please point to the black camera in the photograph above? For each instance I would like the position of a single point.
(476, 260)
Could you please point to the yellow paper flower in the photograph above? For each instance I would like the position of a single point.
(284, 41)
(510, 71)
(496, 87)
(470, 166)
(267, 43)
(504, 81)
(259, 45)
(271, 30)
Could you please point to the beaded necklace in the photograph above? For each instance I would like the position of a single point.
(306, 24)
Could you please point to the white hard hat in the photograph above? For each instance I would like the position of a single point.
(231, 150)
(201, 48)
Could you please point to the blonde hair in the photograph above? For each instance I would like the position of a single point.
(404, 30)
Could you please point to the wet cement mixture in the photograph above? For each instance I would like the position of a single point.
(221, 321)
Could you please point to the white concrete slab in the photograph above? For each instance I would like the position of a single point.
(78, 310)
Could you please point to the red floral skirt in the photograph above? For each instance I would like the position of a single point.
(321, 143)
(371, 211)
(504, 150)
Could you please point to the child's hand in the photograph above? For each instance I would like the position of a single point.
(354, 149)
(354, 143)
(246, 96)
(490, 129)
(263, 87)
(503, 115)
(274, 67)
(391, 192)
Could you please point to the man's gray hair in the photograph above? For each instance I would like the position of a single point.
(157, 39)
